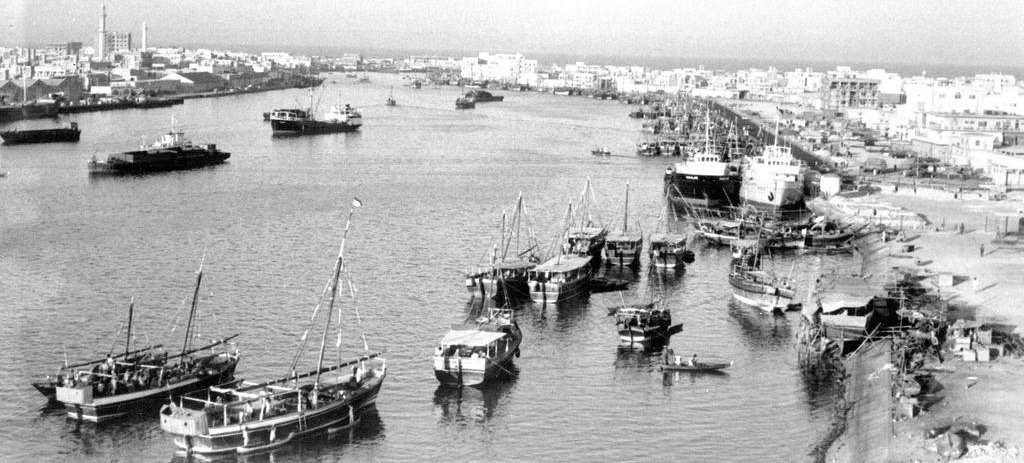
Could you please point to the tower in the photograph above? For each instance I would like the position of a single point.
(101, 39)
(145, 32)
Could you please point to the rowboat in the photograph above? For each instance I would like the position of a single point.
(248, 417)
(696, 367)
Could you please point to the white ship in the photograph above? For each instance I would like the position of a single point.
(773, 179)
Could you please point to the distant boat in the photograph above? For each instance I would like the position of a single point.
(483, 96)
(247, 417)
(623, 247)
(71, 133)
(172, 152)
(115, 389)
(478, 351)
(464, 103)
(603, 151)
(391, 99)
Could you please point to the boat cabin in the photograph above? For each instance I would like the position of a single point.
(562, 269)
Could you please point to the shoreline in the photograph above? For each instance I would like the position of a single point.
(984, 275)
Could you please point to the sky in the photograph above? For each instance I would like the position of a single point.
(857, 31)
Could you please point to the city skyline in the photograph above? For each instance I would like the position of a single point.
(874, 31)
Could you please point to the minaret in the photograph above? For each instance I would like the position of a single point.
(101, 40)
(145, 31)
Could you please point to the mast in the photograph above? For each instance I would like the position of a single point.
(625, 216)
(334, 292)
(131, 311)
(192, 312)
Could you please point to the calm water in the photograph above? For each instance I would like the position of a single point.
(433, 182)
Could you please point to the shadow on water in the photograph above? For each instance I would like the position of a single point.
(461, 405)
(370, 427)
(646, 359)
(760, 328)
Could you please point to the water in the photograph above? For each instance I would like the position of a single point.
(433, 182)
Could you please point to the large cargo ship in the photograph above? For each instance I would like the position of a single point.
(60, 134)
(704, 179)
(172, 152)
(300, 121)
(773, 180)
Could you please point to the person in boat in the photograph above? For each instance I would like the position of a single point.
(693, 360)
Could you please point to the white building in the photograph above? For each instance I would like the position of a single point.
(512, 69)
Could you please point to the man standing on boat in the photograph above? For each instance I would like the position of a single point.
(693, 360)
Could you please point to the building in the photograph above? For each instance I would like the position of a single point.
(119, 41)
(506, 68)
(198, 82)
(849, 92)
(64, 48)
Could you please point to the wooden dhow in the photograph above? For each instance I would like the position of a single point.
(479, 350)
(247, 417)
(114, 389)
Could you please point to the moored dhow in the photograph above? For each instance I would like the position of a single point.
(753, 286)
(623, 247)
(114, 389)
(246, 417)
(668, 251)
(643, 325)
(479, 351)
(559, 278)
(172, 152)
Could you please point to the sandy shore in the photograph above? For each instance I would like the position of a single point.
(988, 286)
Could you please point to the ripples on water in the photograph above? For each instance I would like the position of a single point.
(433, 181)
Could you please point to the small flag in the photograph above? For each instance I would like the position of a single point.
(356, 202)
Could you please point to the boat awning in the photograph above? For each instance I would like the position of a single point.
(846, 292)
(624, 236)
(668, 238)
(844, 321)
(563, 263)
(470, 338)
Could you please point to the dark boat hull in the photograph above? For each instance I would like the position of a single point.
(300, 127)
(108, 408)
(40, 136)
(29, 111)
(188, 160)
(699, 367)
(702, 191)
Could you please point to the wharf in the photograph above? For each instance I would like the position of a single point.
(744, 121)
(869, 429)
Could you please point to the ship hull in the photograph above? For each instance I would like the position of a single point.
(549, 293)
(28, 111)
(108, 408)
(299, 127)
(773, 195)
(188, 160)
(267, 434)
(761, 295)
(40, 136)
(702, 191)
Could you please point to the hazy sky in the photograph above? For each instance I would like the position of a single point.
(871, 31)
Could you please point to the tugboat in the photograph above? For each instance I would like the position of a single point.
(70, 133)
(172, 152)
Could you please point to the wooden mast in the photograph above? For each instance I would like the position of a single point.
(192, 312)
(334, 292)
(625, 216)
(131, 311)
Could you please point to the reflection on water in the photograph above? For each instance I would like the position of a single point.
(693, 378)
(761, 329)
(463, 405)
